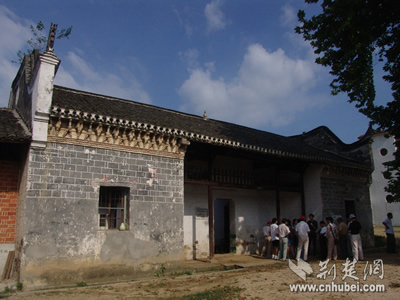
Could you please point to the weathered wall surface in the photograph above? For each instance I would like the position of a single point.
(9, 177)
(62, 241)
(196, 222)
(336, 190)
(382, 151)
(312, 192)
(249, 211)
(290, 204)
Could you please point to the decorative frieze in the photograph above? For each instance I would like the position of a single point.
(105, 134)
(355, 174)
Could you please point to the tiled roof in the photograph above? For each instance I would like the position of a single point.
(192, 127)
(12, 128)
(323, 138)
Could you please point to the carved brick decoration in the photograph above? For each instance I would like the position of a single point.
(107, 132)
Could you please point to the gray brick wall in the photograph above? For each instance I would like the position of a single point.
(61, 208)
(65, 168)
(334, 194)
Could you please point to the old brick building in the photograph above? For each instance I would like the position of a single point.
(14, 141)
(109, 188)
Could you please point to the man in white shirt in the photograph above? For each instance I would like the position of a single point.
(390, 240)
(274, 238)
(284, 232)
(266, 250)
(302, 230)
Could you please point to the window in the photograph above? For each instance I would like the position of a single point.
(113, 207)
(383, 151)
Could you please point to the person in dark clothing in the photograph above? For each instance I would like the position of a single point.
(391, 242)
(294, 237)
(312, 235)
(323, 241)
(356, 243)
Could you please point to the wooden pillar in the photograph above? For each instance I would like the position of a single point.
(278, 205)
(278, 195)
(303, 198)
(211, 222)
(303, 203)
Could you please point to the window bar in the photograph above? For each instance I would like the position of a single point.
(109, 208)
(124, 211)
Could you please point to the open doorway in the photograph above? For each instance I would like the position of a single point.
(350, 207)
(221, 226)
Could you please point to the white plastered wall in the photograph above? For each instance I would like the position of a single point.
(380, 206)
(195, 222)
(290, 203)
(250, 210)
(312, 192)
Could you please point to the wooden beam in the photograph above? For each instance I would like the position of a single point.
(211, 222)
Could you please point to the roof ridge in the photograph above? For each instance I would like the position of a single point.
(165, 109)
(126, 100)
(21, 122)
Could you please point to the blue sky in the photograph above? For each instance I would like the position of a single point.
(239, 60)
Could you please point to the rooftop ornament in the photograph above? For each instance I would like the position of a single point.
(52, 37)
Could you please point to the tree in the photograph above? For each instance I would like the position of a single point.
(352, 37)
(39, 40)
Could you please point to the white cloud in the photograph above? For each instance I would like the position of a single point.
(13, 36)
(83, 76)
(216, 19)
(188, 28)
(190, 58)
(289, 17)
(269, 90)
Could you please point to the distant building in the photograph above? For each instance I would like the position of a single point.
(383, 149)
(110, 189)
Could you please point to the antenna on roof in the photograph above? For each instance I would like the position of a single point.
(205, 115)
(52, 37)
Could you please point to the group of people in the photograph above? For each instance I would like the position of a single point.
(341, 235)
(297, 238)
(288, 239)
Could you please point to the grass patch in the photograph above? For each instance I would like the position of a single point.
(81, 284)
(182, 273)
(9, 290)
(162, 271)
(226, 292)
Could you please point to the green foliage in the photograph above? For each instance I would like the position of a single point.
(11, 289)
(184, 272)
(19, 286)
(161, 272)
(81, 284)
(225, 292)
(353, 37)
(39, 39)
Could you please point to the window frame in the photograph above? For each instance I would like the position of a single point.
(113, 207)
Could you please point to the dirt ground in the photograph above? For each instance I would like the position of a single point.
(259, 279)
